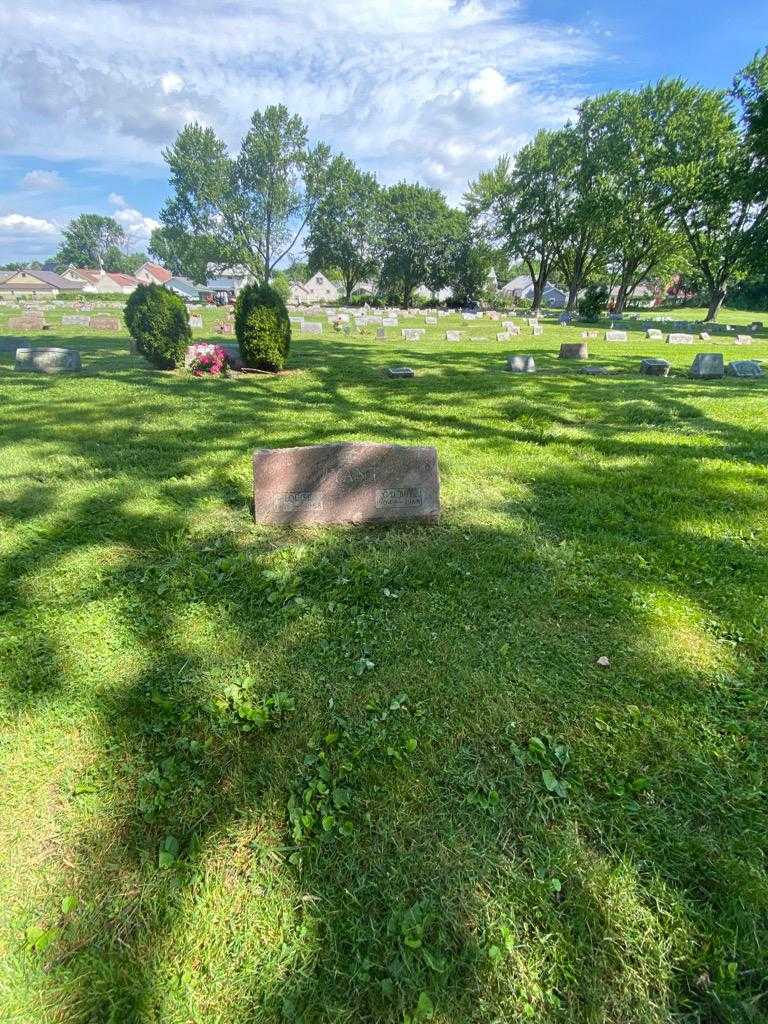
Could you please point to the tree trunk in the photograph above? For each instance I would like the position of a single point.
(573, 294)
(621, 298)
(716, 296)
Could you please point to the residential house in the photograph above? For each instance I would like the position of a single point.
(521, 287)
(153, 273)
(35, 282)
(95, 281)
(317, 289)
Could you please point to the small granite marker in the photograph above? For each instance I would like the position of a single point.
(573, 350)
(615, 335)
(48, 360)
(747, 369)
(680, 339)
(345, 483)
(400, 372)
(655, 367)
(707, 366)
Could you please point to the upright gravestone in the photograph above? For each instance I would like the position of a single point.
(195, 322)
(411, 334)
(742, 339)
(521, 364)
(503, 335)
(352, 483)
(389, 321)
(680, 339)
(654, 367)
(453, 335)
(654, 333)
(48, 360)
(615, 335)
(430, 320)
(707, 366)
(748, 369)
(312, 327)
(573, 350)
(381, 334)
(105, 323)
(537, 330)
(705, 335)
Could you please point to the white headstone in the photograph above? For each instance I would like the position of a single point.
(680, 339)
(615, 335)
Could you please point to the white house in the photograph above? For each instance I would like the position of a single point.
(317, 289)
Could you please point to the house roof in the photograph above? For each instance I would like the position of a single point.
(46, 277)
(184, 286)
(518, 283)
(159, 273)
(89, 274)
(123, 280)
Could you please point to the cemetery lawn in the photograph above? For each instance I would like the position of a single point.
(251, 774)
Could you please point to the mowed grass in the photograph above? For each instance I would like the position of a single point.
(374, 775)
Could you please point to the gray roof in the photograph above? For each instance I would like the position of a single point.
(183, 286)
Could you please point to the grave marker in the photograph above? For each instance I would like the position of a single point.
(655, 367)
(745, 368)
(615, 335)
(680, 339)
(521, 364)
(707, 366)
(48, 360)
(105, 323)
(345, 483)
(573, 350)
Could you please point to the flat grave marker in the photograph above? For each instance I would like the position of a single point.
(105, 323)
(615, 335)
(680, 339)
(48, 360)
(747, 369)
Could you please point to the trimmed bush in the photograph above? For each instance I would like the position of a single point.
(262, 327)
(593, 303)
(158, 323)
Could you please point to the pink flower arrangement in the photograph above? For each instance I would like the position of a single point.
(212, 359)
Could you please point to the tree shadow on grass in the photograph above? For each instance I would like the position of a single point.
(453, 867)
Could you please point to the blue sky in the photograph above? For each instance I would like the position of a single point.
(432, 90)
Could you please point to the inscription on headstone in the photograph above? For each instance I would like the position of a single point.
(345, 483)
(615, 335)
(680, 339)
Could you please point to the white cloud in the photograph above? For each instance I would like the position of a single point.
(18, 224)
(489, 87)
(41, 181)
(115, 199)
(170, 82)
(407, 90)
(137, 226)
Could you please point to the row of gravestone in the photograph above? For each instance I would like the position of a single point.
(706, 365)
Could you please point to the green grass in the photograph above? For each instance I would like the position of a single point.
(502, 830)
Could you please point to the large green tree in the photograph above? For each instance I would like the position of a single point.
(92, 240)
(640, 242)
(751, 89)
(714, 184)
(184, 254)
(521, 207)
(414, 224)
(342, 225)
(255, 206)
